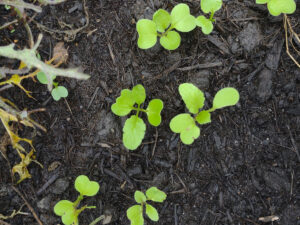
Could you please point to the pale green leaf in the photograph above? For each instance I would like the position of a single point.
(139, 93)
(209, 6)
(124, 103)
(205, 24)
(203, 117)
(192, 97)
(162, 20)
(181, 19)
(156, 195)
(59, 92)
(147, 33)
(226, 97)
(69, 218)
(171, 41)
(153, 111)
(133, 132)
(186, 126)
(135, 215)
(86, 187)
(262, 1)
(42, 78)
(62, 207)
(276, 7)
(139, 197)
(152, 212)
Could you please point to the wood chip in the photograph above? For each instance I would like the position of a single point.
(268, 219)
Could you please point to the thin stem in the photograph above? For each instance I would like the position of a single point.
(211, 16)
(30, 37)
(98, 220)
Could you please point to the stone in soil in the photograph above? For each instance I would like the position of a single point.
(264, 90)
(44, 203)
(200, 79)
(60, 186)
(250, 37)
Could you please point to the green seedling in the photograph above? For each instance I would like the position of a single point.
(67, 209)
(57, 92)
(208, 6)
(185, 124)
(134, 128)
(162, 25)
(276, 7)
(135, 213)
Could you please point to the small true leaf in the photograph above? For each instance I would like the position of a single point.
(62, 207)
(203, 117)
(186, 126)
(139, 93)
(42, 78)
(156, 195)
(139, 197)
(124, 103)
(276, 7)
(181, 18)
(147, 33)
(205, 24)
(133, 132)
(171, 41)
(152, 212)
(86, 187)
(135, 215)
(153, 111)
(192, 97)
(226, 97)
(162, 20)
(209, 6)
(59, 92)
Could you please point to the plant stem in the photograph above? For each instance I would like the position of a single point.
(211, 16)
(97, 220)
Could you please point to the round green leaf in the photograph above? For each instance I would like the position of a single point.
(276, 7)
(181, 19)
(162, 20)
(153, 111)
(203, 117)
(186, 126)
(69, 218)
(209, 6)
(171, 41)
(262, 1)
(86, 187)
(124, 103)
(152, 212)
(226, 97)
(147, 33)
(139, 93)
(133, 132)
(135, 215)
(139, 197)
(192, 97)
(63, 207)
(59, 92)
(205, 24)
(42, 78)
(156, 195)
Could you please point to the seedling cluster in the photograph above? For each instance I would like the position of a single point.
(134, 127)
(165, 25)
(185, 124)
(276, 7)
(68, 210)
(135, 213)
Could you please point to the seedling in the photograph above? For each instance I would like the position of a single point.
(134, 128)
(208, 6)
(276, 7)
(185, 124)
(162, 25)
(135, 213)
(58, 91)
(67, 209)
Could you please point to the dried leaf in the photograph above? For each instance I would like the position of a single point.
(60, 53)
(268, 219)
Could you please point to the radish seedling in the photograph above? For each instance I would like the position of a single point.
(135, 213)
(67, 209)
(208, 6)
(57, 92)
(194, 99)
(162, 25)
(276, 7)
(134, 127)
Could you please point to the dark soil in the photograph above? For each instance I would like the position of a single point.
(244, 166)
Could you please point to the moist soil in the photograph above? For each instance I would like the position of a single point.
(244, 166)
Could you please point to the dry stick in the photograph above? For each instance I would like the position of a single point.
(155, 143)
(4, 223)
(201, 66)
(28, 205)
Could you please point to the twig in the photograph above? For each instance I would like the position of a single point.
(8, 24)
(21, 4)
(155, 143)
(201, 66)
(28, 205)
(4, 223)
